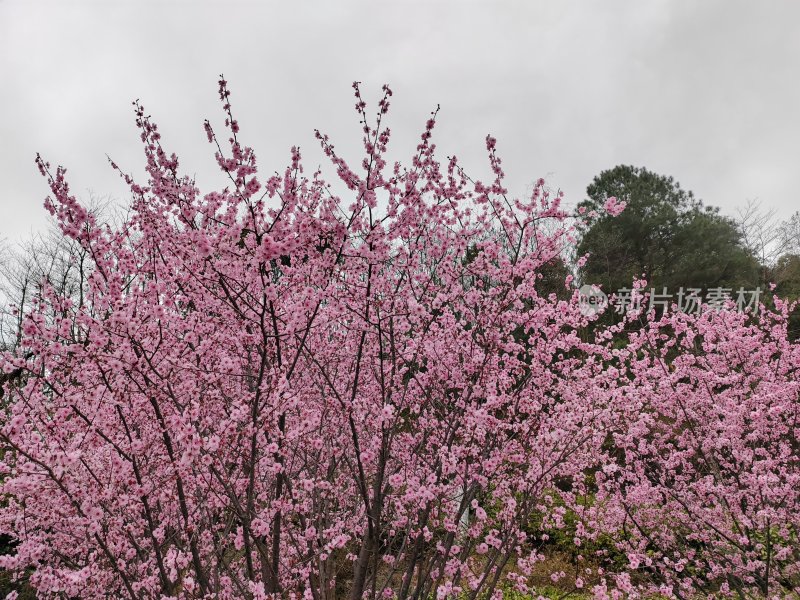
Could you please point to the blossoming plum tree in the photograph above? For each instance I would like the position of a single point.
(700, 484)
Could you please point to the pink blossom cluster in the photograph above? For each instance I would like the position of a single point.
(613, 206)
(700, 482)
(271, 391)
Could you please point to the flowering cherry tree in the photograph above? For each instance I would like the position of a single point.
(700, 486)
(273, 391)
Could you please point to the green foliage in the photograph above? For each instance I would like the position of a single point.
(786, 275)
(664, 232)
(7, 585)
(552, 277)
(509, 593)
(601, 550)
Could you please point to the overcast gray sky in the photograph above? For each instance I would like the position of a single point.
(708, 92)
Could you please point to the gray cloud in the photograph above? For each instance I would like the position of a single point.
(706, 92)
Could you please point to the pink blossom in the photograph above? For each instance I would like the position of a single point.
(613, 206)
